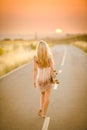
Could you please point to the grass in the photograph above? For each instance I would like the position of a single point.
(14, 54)
(80, 44)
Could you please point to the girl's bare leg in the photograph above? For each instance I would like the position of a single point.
(46, 102)
(42, 98)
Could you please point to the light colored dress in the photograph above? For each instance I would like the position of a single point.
(43, 81)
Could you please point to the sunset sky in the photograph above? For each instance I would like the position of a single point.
(43, 16)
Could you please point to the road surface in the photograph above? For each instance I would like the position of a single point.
(19, 100)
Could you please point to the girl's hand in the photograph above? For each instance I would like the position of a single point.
(35, 84)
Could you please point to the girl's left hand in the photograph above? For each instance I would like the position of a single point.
(35, 84)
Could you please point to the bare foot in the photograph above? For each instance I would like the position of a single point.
(44, 116)
(40, 113)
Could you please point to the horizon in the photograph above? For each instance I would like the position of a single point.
(36, 36)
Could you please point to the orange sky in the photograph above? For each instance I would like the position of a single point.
(28, 16)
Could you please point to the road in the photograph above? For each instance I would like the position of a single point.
(19, 100)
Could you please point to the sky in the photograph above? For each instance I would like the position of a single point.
(43, 16)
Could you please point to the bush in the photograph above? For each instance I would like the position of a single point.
(2, 51)
(32, 46)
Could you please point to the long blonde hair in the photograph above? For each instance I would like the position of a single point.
(43, 53)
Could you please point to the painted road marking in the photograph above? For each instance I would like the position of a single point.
(62, 63)
(16, 69)
(60, 71)
(47, 119)
(64, 56)
(46, 123)
(55, 86)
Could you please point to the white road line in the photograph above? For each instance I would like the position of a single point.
(64, 56)
(47, 119)
(55, 86)
(46, 123)
(60, 71)
(14, 70)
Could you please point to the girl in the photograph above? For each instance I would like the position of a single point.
(43, 68)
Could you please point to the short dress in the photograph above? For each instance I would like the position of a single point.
(43, 81)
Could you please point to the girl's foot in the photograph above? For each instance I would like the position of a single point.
(40, 112)
(44, 116)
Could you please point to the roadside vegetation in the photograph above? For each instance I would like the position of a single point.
(15, 53)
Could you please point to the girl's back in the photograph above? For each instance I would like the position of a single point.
(43, 75)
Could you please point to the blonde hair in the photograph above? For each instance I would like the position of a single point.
(43, 53)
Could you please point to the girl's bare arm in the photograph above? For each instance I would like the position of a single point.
(51, 66)
(35, 70)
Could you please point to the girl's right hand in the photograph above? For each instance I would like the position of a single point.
(35, 84)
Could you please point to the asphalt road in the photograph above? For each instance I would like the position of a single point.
(19, 100)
